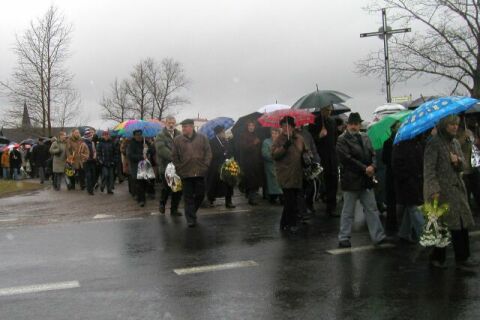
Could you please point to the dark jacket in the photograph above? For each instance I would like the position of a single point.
(107, 153)
(134, 155)
(40, 155)
(355, 154)
(163, 148)
(250, 160)
(288, 162)
(407, 167)
(15, 159)
(191, 156)
(221, 151)
(326, 146)
(92, 152)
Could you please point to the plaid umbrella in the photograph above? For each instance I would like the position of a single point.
(272, 119)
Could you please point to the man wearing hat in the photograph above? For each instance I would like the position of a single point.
(221, 151)
(357, 167)
(324, 132)
(191, 157)
(90, 163)
(108, 158)
(163, 148)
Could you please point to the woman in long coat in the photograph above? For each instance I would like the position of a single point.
(251, 162)
(58, 150)
(273, 188)
(221, 151)
(443, 165)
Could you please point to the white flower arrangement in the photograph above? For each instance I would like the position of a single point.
(435, 233)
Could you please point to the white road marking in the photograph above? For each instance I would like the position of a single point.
(155, 213)
(217, 267)
(39, 288)
(103, 216)
(8, 220)
(360, 249)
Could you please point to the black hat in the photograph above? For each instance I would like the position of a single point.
(218, 129)
(187, 122)
(289, 120)
(137, 131)
(354, 118)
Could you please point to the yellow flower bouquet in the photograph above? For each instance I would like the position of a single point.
(435, 233)
(230, 172)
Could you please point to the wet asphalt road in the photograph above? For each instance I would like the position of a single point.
(125, 270)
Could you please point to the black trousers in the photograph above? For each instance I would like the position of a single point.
(175, 197)
(290, 208)
(90, 170)
(461, 247)
(193, 194)
(331, 185)
(140, 189)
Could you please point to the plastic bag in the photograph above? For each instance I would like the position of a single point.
(475, 158)
(145, 170)
(173, 180)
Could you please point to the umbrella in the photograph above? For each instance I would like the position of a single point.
(149, 129)
(419, 101)
(241, 123)
(473, 110)
(380, 132)
(272, 119)
(4, 140)
(319, 99)
(208, 127)
(273, 107)
(340, 108)
(28, 141)
(430, 113)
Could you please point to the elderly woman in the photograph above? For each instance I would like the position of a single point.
(287, 152)
(443, 165)
(250, 160)
(58, 150)
(273, 188)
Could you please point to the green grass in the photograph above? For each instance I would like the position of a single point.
(8, 187)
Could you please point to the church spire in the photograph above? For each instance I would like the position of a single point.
(26, 118)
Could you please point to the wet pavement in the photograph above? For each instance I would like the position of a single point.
(123, 267)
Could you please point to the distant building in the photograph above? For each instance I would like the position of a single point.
(197, 122)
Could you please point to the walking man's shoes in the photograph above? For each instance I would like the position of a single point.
(344, 244)
(230, 205)
(162, 209)
(192, 224)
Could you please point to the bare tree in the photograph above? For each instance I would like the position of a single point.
(137, 89)
(68, 108)
(40, 77)
(444, 45)
(165, 83)
(116, 107)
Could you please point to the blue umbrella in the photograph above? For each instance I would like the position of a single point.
(149, 129)
(208, 127)
(427, 115)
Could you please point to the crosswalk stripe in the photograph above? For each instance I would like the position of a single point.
(39, 288)
(360, 249)
(217, 267)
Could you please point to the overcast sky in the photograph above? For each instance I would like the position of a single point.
(239, 54)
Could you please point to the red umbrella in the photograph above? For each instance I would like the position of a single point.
(272, 119)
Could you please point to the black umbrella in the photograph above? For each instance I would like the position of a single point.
(474, 110)
(241, 124)
(319, 99)
(419, 101)
(4, 140)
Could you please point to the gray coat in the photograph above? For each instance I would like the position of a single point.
(440, 176)
(58, 151)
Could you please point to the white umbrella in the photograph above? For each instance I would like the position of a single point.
(385, 109)
(273, 107)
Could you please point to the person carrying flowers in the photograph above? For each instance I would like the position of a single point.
(443, 184)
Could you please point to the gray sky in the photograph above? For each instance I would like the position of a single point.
(239, 54)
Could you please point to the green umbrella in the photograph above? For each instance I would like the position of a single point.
(380, 131)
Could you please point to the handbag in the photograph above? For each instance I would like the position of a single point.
(145, 170)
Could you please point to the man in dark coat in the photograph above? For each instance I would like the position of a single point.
(324, 132)
(357, 165)
(15, 163)
(221, 151)
(391, 222)
(40, 155)
(108, 157)
(407, 167)
(191, 157)
(90, 163)
(251, 162)
(163, 147)
(135, 154)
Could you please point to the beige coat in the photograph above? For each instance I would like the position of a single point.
(58, 150)
(288, 163)
(77, 152)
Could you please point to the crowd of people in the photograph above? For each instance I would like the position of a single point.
(435, 165)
